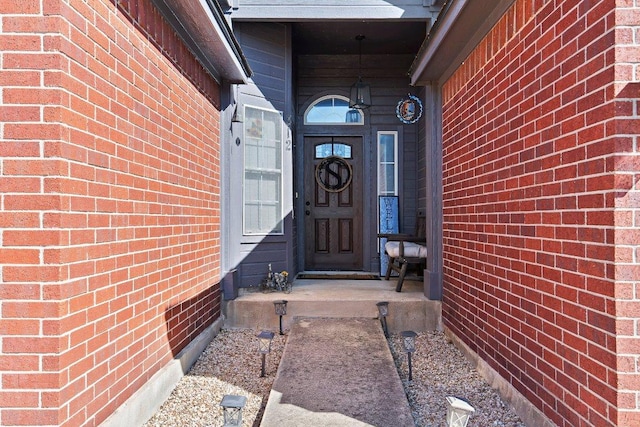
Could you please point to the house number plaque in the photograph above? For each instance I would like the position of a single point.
(334, 174)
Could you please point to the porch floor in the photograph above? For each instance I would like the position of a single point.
(336, 298)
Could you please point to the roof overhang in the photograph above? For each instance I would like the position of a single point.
(204, 29)
(329, 10)
(458, 29)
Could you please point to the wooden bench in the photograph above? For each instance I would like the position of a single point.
(405, 250)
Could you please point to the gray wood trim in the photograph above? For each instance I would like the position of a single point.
(433, 179)
(335, 3)
(229, 101)
(367, 153)
(300, 10)
(289, 119)
(204, 29)
(462, 24)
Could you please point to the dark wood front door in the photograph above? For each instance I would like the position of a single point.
(333, 203)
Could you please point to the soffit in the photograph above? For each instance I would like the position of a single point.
(298, 10)
(339, 37)
(204, 29)
(458, 29)
(326, 27)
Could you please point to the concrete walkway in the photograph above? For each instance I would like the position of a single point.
(337, 372)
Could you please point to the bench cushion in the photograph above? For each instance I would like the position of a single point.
(411, 249)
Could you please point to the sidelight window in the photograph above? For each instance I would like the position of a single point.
(388, 163)
(262, 189)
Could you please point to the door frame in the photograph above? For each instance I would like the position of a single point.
(334, 210)
(369, 239)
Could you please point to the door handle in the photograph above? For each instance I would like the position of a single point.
(307, 212)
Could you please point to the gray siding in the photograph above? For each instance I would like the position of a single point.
(319, 75)
(267, 47)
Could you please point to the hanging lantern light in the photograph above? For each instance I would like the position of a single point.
(352, 116)
(360, 95)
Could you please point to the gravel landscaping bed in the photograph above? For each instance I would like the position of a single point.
(440, 370)
(231, 365)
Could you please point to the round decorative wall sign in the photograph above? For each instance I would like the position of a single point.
(330, 174)
(409, 110)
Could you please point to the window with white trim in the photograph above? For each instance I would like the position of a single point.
(387, 163)
(333, 110)
(262, 189)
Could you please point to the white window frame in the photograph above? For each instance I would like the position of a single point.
(394, 163)
(323, 98)
(274, 172)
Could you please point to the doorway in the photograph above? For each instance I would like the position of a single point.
(333, 213)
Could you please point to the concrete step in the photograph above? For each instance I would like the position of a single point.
(408, 310)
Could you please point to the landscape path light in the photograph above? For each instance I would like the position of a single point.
(232, 409)
(383, 312)
(409, 344)
(264, 347)
(281, 310)
(458, 412)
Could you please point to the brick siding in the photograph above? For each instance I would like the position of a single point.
(541, 202)
(110, 195)
(626, 167)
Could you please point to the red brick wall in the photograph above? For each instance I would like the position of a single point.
(109, 188)
(626, 165)
(541, 207)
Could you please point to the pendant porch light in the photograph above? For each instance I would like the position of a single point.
(360, 95)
